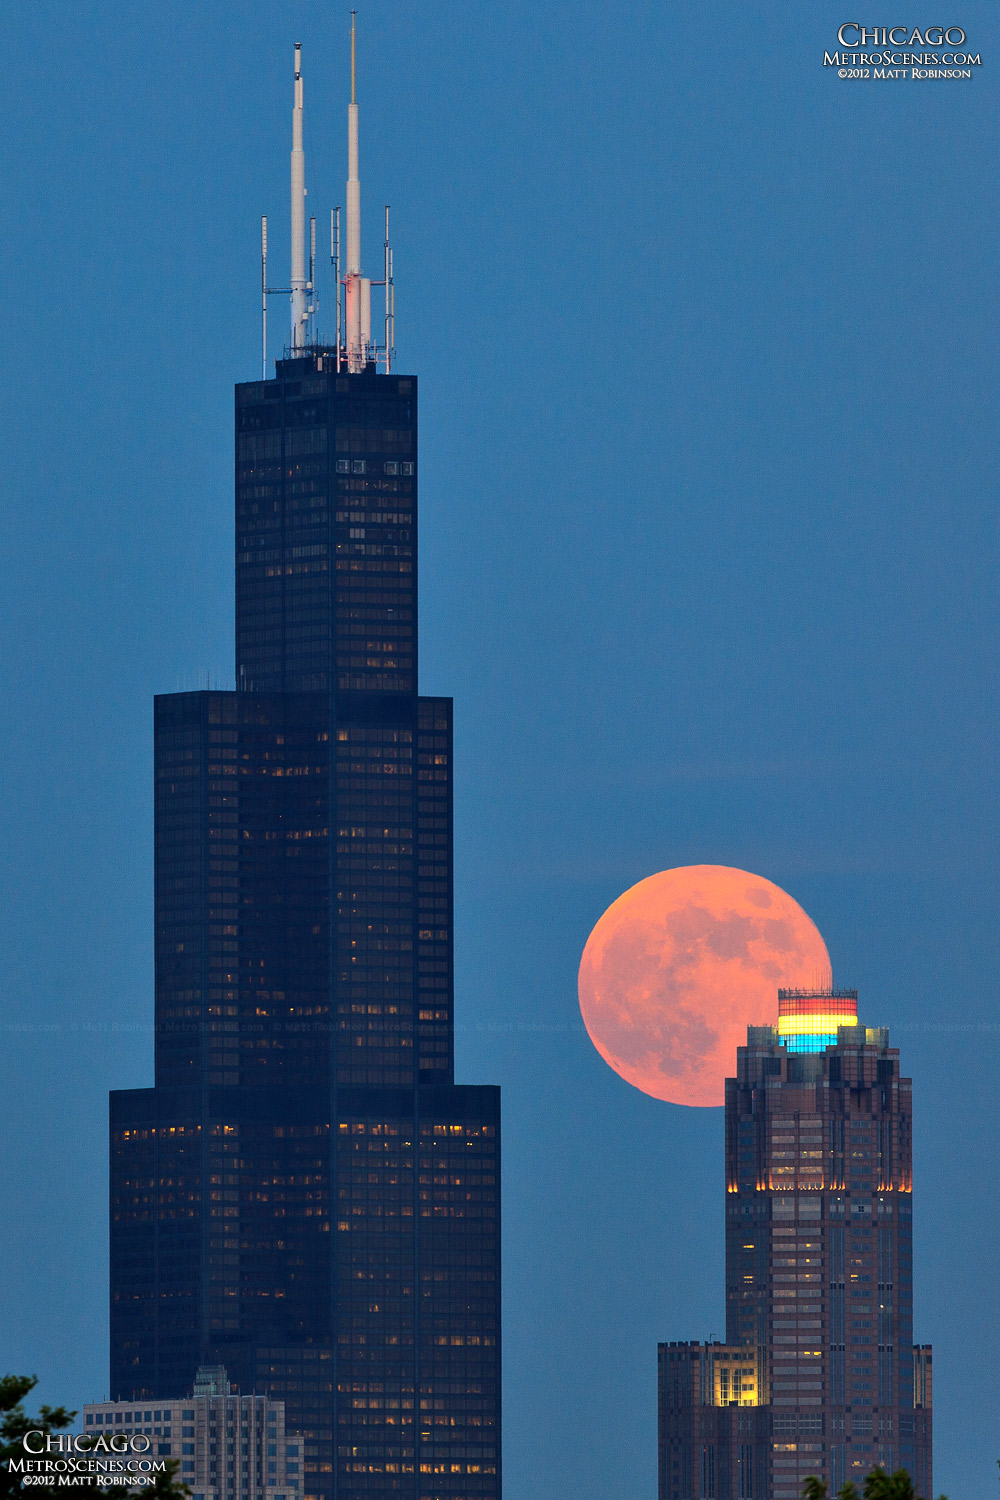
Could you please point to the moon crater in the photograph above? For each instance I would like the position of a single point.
(681, 964)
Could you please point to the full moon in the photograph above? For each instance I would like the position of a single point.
(681, 964)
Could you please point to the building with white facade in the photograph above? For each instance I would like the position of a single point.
(226, 1446)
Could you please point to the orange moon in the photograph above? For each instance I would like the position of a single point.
(681, 964)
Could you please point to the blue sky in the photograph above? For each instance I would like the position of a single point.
(706, 339)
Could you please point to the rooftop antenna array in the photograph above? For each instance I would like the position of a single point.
(355, 347)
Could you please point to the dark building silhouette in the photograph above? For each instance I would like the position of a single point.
(819, 1373)
(306, 1197)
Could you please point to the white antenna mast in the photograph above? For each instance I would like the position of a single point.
(335, 263)
(359, 307)
(263, 297)
(300, 312)
(389, 296)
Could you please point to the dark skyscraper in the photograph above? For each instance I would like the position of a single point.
(306, 1197)
(819, 1373)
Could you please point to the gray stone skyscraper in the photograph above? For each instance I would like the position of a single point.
(819, 1373)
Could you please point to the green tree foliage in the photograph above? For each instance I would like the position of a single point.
(877, 1486)
(15, 1422)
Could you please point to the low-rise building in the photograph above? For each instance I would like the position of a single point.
(227, 1446)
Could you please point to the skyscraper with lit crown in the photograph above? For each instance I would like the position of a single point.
(306, 1197)
(819, 1374)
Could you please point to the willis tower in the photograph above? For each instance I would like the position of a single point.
(306, 1196)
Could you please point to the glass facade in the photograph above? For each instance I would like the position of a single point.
(306, 1197)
